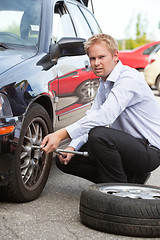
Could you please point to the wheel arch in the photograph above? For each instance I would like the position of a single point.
(46, 102)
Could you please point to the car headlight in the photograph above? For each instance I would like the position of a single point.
(5, 107)
(5, 112)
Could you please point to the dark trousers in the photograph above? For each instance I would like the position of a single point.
(114, 156)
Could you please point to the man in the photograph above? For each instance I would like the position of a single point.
(121, 131)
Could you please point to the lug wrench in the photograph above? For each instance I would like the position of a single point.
(59, 151)
(74, 152)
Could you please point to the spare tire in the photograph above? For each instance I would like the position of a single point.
(124, 209)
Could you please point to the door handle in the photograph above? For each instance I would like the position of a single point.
(75, 76)
(86, 64)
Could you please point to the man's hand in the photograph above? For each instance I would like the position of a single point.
(66, 157)
(51, 142)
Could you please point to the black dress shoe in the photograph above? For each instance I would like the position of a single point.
(139, 179)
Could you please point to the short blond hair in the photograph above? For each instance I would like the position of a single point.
(110, 42)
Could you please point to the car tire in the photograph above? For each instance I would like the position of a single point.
(123, 209)
(31, 166)
(83, 91)
(87, 90)
(158, 83)
(140, 70)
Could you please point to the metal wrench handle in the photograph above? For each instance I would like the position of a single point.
(66, 151)
(74, 152)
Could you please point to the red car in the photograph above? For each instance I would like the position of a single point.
(138, 57)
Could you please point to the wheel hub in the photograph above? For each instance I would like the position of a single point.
(134, 192)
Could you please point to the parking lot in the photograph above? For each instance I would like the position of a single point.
(55, 214)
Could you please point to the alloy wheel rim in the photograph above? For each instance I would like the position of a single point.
(32, 160)
(133, 192)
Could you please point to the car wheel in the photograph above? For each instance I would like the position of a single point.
(87, 90)
(158, 83)
(140, 70)
(83, 91)
(124, 209)
(31, 166)
(94, 87)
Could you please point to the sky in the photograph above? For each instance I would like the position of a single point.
(118, 17)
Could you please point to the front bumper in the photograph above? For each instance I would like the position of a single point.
(8, 145)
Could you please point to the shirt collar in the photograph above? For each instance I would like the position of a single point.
(113, 76)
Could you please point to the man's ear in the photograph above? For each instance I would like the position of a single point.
(115, 55)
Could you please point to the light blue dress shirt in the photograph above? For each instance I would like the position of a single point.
(125, 102)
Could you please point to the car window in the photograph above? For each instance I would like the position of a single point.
(62, 24)
(91, 20)
(82, 28)
(20, 22)
(149, 50)
(157, 48)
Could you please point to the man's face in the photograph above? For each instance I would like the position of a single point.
(102, 61)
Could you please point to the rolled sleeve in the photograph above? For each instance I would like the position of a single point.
(75, 130)
(79, 142)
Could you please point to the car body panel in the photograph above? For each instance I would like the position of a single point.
(138, 58)
(152, 70)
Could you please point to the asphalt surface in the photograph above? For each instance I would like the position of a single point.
(55, 214)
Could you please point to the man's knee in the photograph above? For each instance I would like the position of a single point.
(94, 135)
(96, 132)
(100, 136)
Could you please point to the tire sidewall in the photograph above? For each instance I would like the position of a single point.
(94, 199)
(120, 215)
(27, 195)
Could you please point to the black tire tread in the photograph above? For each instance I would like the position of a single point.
(118, 215)
(119, 228)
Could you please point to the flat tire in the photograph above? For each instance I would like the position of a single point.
(123, 209)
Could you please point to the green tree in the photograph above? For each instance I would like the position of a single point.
(140, 33)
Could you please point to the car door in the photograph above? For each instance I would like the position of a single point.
(95, 28)
(85, 25)
(73, 72)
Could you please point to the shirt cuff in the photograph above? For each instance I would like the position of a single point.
(78, 142)
(74, 130)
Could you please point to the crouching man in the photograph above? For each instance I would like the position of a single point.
(121, 131)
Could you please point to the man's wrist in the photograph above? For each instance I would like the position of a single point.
(71, 148)
(62, 134)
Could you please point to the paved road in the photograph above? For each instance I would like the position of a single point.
(55, 215)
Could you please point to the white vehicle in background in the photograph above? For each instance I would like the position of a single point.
(152, 70)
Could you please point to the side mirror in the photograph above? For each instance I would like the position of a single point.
(67, 47)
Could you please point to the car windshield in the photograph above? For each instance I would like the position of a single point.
(20, 22)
